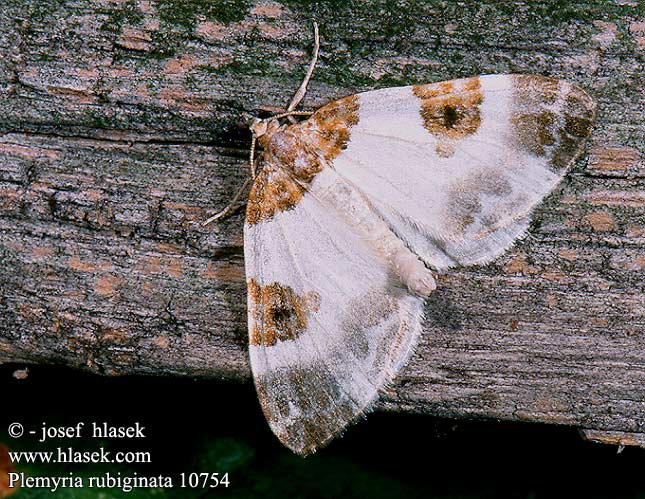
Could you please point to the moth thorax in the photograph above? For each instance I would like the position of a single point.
(291, 151)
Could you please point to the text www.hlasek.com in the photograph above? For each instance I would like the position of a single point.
(69, 455)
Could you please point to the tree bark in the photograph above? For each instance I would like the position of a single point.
(122, 128)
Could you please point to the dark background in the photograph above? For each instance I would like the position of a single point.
(197, 425)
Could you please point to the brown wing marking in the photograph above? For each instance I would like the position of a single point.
(450, 111)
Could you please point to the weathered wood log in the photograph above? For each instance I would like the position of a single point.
(121, 131)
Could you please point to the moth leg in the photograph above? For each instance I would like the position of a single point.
(230, 206)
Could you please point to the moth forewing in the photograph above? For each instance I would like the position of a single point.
(356, 203)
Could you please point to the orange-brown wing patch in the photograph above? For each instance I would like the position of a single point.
(330, 126)
(450, 111)
(539, 130)
(278, 312)
(293, 155)
(273, 191)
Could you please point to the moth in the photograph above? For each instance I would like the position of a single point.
(360, 204)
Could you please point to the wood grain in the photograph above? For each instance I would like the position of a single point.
(122, 128)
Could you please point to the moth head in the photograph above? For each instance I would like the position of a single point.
(258, 127)
(264, 129)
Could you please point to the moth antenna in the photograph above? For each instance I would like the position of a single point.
(252, 157)
(303, 86)
(230, 206)
(292, 113)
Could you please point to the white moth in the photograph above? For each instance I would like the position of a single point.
(359, 204)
